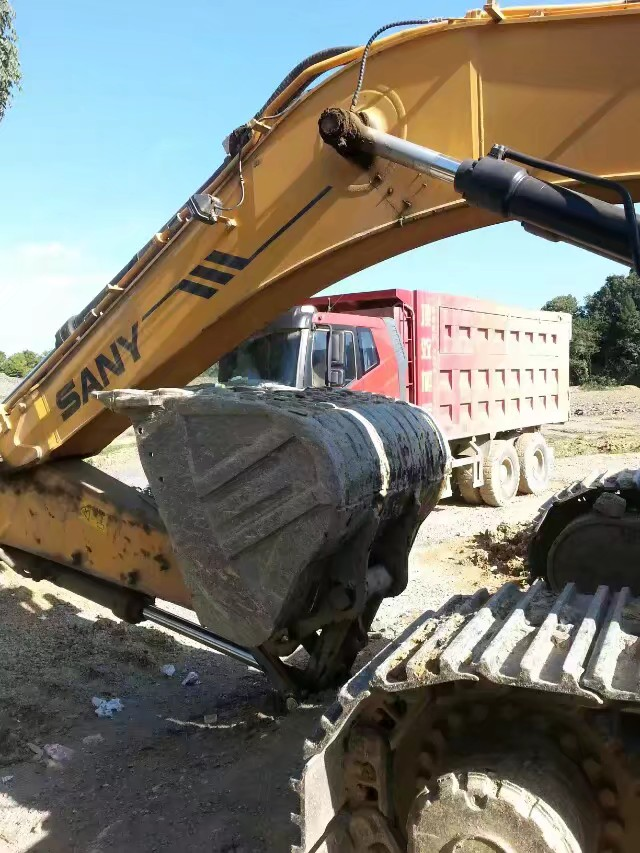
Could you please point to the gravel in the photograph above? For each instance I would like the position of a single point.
(590, 402)
(7, 384)
(440, 564)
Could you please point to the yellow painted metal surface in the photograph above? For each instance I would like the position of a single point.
(74, 514)
(562, 83)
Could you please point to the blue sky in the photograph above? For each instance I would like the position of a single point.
(121, 116)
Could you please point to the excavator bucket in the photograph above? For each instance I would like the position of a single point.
(288, 511)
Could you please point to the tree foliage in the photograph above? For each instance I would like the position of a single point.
(606, 331)
(567, 304)
(20, 363)
(9, 61)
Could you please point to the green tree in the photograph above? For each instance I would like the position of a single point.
(585, 343)
(623, 358)
(567, 304)
(20, 363)
(606, 331)
(611, 311)
(3, 358)
(9, 61)
(585, 339)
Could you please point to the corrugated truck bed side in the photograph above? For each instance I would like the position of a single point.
(486, 368)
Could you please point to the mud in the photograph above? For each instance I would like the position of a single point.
(503, 551)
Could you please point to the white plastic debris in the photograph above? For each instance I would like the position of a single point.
(91, 740)
(168, 669)
(58, 753)
(106, 707)
(5, 779)
(190, 678)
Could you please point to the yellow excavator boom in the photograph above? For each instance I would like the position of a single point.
(561, 82)
(284, 217)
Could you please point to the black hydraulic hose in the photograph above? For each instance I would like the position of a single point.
(320, 56)
(365, 53)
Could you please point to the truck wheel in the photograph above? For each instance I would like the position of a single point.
(535, 463)
(464, 481)
(501, 474)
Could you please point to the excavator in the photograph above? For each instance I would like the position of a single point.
(283, 518)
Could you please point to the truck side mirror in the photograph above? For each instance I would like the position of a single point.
(336, 373)
(336, 349)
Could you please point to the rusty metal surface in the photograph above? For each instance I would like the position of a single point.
(260, 490)
(72, 513)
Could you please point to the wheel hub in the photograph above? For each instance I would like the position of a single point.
(473, 812)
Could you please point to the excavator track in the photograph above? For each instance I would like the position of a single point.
(589, 533)
(505, 719)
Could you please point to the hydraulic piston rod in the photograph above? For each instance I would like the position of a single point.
(349, 135)
(200, 635)
(504, 188)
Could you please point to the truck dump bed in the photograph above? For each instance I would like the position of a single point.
(478, 366)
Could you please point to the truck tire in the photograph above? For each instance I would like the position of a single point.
(464, 481)
(535, 463)
(501, 474)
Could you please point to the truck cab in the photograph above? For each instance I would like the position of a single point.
(307, 348)
(489, 374)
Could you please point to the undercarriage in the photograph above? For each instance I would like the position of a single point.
(501, 723)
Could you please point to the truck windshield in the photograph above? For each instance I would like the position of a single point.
(269, 358)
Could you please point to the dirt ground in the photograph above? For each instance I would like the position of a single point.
(206, 767)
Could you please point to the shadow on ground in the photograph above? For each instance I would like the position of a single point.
(159, 777)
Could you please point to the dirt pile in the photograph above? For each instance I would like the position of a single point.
(605, 402)
(503, 551)
(581, 445)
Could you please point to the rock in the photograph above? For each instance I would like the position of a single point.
(58, 753)
(190, 679)
(36, 750)
(610, 504)
(168, 669)
(210, 719)
(91, 740)
(106, 707)
(291, 703)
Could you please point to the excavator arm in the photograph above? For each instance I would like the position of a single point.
(560, 82)
(284, 217)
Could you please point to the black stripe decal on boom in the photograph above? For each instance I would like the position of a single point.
(221, 277)
(185, 286)
(161, 301)
(211, 274)
(196, 289)
(291, 222)
(226, 260)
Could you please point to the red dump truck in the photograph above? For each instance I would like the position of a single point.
(490, 375)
